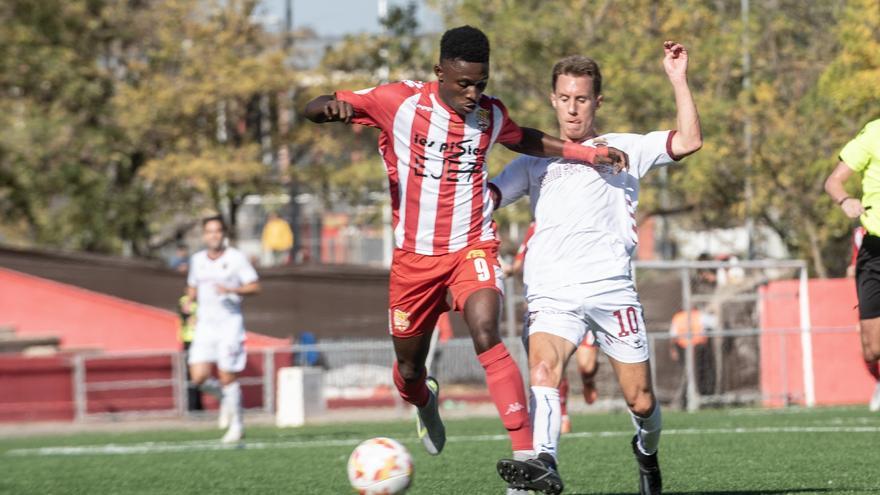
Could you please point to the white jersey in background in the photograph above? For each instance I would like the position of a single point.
(231, 270)
(585, 225)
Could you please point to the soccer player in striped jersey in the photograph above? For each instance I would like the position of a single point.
(577, 268)
(434, 140)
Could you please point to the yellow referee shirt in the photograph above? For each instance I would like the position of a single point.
(862, 155)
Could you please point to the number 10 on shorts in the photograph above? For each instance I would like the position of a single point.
(631, 325)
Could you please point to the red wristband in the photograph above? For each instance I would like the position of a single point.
(574, 151)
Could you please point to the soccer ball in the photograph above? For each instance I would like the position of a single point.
(380, 466)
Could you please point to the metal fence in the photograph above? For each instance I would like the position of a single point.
(726, 369)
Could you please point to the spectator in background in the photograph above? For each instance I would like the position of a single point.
(696, 322)
(179, 262)
(707, 278)
(186, 309)
(277, 240)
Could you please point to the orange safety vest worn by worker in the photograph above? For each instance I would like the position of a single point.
(679, 328)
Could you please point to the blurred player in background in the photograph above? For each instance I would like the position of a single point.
(219, 276)
(862, 155)
(586, 356)
(435, 139)
(578, 266)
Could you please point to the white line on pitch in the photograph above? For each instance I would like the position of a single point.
(201, 445)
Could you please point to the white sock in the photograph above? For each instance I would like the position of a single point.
(648, 430)
(212, 386)
(547, 419)
(523, 455)
(232, 401)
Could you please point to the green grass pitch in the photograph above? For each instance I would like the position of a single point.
(829, 450)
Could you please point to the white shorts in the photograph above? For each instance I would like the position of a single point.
(609, 308)
(220, 341)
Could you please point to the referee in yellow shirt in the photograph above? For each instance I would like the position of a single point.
(862, 155)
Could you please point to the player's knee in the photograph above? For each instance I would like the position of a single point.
(485, 335)
(641, 404)
(543, 374)
(198, 377)
(589, 370)
(409, 371)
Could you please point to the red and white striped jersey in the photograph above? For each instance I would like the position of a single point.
(436, 162)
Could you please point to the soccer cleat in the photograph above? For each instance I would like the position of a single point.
(565, 425)
(650, 481)
(874, 405)
(537, 474)
(429, 426)
(234, 434)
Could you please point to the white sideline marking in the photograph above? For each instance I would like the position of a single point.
(209, 445)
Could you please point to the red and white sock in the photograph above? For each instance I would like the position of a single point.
(508, 393)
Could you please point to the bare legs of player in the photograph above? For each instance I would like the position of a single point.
(587, 358)
(503, 379)
(228, 390)
(870, 333)
(548, 355)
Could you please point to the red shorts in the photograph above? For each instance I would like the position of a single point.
(418, 285)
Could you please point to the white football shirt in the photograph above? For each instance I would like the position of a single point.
(232, 269)
(585, 224)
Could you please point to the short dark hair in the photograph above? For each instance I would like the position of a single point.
(214, 218)
(465, 43)
(578, 65)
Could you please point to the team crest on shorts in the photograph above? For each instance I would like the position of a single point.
(475, 253)
(483, 119)
(400, 320)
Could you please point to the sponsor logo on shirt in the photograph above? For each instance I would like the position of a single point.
(424, 107)
(461, 159)
(475, 253)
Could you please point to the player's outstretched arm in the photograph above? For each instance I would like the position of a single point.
(326, 108)
(537, 143)
(689, 136)
(852, 207)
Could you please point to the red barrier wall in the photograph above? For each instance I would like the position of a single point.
(89, 320)
(838, 369)
(35, 389)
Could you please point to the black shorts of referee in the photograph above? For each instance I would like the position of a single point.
(868, 278)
